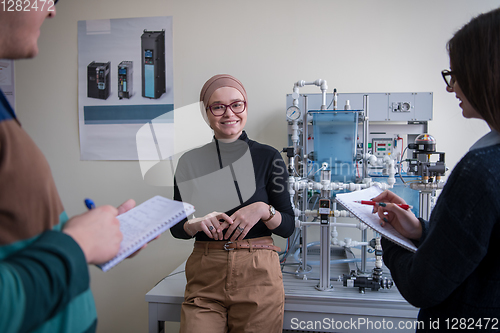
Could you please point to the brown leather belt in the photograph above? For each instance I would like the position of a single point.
(261, 243)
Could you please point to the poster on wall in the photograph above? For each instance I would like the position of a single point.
(125, 80)
(7, 80)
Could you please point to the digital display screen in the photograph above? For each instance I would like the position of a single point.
(122, 71)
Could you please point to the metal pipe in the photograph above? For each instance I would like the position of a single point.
(320, 83)
(366, 129)
(325, 236)
(324, 266)
(425, 205)
(304, 191)
(364, 237)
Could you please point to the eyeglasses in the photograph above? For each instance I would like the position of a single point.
(219, 109)
(449, 78)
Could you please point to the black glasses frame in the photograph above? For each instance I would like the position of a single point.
(448, 77)
(226, 106)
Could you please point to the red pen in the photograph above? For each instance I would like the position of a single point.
(382, 204)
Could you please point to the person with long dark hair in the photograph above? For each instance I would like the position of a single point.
(454, 276)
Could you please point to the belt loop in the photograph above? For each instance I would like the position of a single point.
(206, 248)
(250, 245)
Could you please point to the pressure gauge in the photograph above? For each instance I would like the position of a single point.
(293, 113)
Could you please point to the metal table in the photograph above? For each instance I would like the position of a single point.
(306, 308)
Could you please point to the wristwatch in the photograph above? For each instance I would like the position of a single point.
(272, 212)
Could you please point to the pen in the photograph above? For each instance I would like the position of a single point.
(373, 203)
(89, 203)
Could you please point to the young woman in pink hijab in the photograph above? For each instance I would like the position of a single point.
(239, 189)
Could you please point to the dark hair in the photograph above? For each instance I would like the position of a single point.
(474, 54)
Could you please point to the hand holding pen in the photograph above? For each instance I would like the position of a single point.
(394, 210)
(124, 207)
(97, 232)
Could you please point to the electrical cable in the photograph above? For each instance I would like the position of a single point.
(401, 166)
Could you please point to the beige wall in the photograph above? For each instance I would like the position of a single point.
(356, 45)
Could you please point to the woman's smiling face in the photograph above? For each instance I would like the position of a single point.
(230, 125)
(467, 110)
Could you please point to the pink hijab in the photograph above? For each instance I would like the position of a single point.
(214, 83)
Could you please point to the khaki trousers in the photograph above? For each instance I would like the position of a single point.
(233, 291)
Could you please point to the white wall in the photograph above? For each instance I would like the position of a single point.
(356, 45)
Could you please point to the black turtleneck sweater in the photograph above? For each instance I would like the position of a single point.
(225, 177)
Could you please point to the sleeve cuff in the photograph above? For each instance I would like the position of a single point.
(425, 229)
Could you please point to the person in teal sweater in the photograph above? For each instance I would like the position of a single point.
(454, 277)
(44, 256)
